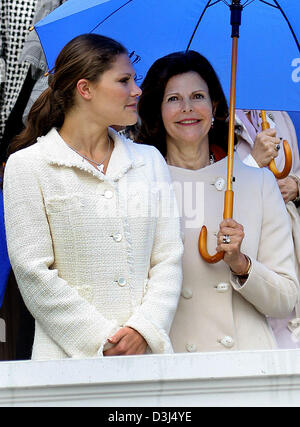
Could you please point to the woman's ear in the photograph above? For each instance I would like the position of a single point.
(214, 108)
(83, 88)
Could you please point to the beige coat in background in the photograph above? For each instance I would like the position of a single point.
(88, 254)
(215, 313)
(282, 123)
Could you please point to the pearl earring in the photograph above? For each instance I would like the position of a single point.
(212, 121)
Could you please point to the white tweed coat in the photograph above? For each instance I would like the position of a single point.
(91, 252)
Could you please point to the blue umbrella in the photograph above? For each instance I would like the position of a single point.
(268, 74)
(265, 77)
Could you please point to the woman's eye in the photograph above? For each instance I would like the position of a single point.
(125, 80)
(198, 96)
(172, 98)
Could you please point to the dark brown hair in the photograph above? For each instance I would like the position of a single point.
(87, 56)
(151, 130)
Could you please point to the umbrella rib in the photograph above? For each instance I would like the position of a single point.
(200, 19)
(288, 22)
(248, 2)
(218, 1)
(115, 11)
(269, 4)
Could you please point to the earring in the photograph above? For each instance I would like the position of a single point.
(212, 121)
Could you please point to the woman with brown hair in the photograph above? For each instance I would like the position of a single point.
(91, 260)
(223, 306)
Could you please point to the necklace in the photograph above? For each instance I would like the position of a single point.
(211, 159)
(99, 166)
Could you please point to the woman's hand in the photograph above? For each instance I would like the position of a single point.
(126, 341)
(264, 149)
(288, 188)
(237, 261)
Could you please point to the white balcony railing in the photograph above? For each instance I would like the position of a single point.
(256, 378)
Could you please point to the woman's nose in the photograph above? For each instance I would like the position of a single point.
(186, 106)
(136, 90)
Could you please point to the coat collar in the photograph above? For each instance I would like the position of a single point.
(124, 156)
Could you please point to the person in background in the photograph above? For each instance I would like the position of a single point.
(257, 147)
(98, 270)
(4, 260)
(223, 306)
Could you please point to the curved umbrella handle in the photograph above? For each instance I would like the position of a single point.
(288, 163)
(228, 203)
(202, 242)
(202, 245)
(287, 153)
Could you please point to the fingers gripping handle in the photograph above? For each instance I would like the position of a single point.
(202, 242)
(287, 153)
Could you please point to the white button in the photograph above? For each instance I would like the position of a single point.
(122, 282)
(187, 293)
(117, 237)
(220, 184)
(222, 287)
(191, 348)
(108, 194)
(227, 341)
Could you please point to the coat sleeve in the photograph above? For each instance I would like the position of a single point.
(74, 324)
(153, 318)
(272, 286)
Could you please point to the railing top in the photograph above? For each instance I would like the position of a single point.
(130, 369)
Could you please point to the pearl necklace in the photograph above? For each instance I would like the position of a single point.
(99, 166)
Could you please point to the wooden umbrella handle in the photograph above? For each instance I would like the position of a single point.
(288, 163)
(236, 14)
(202, 242)
(287, 153)
(228, 202)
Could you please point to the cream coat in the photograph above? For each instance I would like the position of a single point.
(92, 252)
(215, 313)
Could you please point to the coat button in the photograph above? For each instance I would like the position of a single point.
(108, 194)
(220, 184)
(117, 237)
(222, 287)
(191, 348)
(227, 341)
(187, 293)
(122, 282)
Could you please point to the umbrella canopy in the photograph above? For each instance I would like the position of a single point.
(268, 71)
